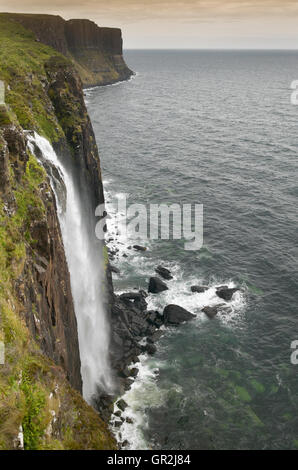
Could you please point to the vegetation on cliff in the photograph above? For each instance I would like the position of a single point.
(38, 407)
(95, 52)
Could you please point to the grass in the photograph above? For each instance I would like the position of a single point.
(34, 392)
(22, 68)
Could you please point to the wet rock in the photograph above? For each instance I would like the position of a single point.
(131, 296)
(156, 285)
(122, 405)
(134, 372)
(174, 315)
(164, 272)
(199, 289)
(155, 337)
(114, 269)
(211, 312)
(140, 304)
(139, 248)
(226, 293)
(152, 317)
(129, 420)
(150, 349)
(117, 423)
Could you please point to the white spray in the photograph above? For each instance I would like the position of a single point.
(85, 262)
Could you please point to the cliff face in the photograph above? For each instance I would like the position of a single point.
(37, 319)
(43, 284)
(96, 52)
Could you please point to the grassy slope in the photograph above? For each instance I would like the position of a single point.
(33, 391)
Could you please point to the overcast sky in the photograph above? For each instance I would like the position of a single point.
(187, 24)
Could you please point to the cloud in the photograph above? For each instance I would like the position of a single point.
(140, 10)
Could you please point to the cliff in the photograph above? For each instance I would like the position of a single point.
(40, 383)
(96, 52)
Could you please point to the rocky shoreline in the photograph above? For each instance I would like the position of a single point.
(135, 330)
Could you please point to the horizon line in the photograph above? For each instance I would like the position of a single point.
(256, 49)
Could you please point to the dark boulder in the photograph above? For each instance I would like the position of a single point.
(138, 299)
(174, 315)
(226, 293)
(150, 349)
(132, 296)
(164, 272)
(122, 405)
(211, 312)
(156, 285)
(199, 289)
(139, 248)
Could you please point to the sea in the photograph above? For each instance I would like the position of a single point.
(215, 128)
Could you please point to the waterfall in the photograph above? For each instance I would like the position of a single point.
(85, 263)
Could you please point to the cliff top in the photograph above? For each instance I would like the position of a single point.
(95, 51)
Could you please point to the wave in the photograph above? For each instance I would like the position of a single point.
(137, 267)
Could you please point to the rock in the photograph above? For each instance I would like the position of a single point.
(134, 372)
(117, 423)
(140, 304)
(114, 269)
(152, 317)
(139, 248)
(164, 272)
(131, 296)
(226, 293)
(155, 337)
(117, 413)
(124, 443)
(122, 405)
(174, 315)
(129, 420)
(211, 312)
(150, 349)
(199, 289)
(156, 285)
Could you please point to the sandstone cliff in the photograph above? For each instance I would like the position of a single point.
(96, 52)
(39, 407)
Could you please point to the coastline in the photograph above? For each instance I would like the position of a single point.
(134, 308)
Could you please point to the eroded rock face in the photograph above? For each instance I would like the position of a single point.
(43, 285)
(96, 51)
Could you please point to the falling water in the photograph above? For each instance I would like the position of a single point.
(85, 262)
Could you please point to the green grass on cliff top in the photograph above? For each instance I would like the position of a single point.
(22, 61)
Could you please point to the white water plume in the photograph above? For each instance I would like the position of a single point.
(85, 262)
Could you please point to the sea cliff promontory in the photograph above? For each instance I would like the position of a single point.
(96, 52)
(41, 404)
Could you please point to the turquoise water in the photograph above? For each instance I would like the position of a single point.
(215, 128)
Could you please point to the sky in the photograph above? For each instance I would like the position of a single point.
(182, 24)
